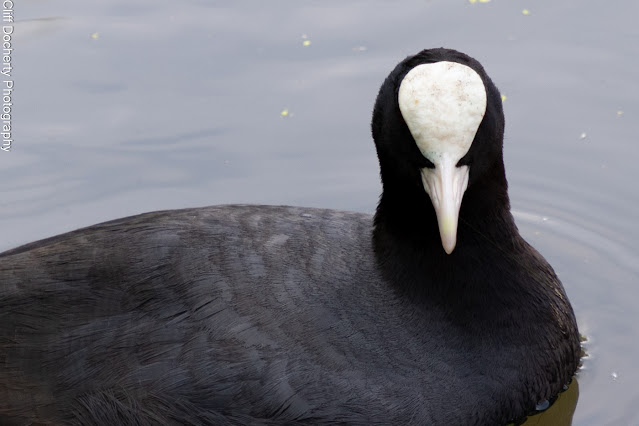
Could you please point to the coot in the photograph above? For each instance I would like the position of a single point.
(434, 311)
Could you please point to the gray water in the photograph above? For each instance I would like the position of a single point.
(127, 107)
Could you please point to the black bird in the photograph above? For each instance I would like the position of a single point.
(433, 312)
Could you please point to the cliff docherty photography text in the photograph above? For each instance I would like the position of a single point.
(7, 69)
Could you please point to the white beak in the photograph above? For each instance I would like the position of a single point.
(443, 104)
(446, 184)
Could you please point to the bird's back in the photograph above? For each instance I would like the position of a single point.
(233, 315)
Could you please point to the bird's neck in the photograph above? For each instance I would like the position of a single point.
(408, 245)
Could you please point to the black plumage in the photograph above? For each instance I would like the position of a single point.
(268, 315)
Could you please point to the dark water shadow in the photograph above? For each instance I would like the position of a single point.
(560, 413)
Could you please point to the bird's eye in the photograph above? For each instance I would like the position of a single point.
(464, 161)
(427, 163)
